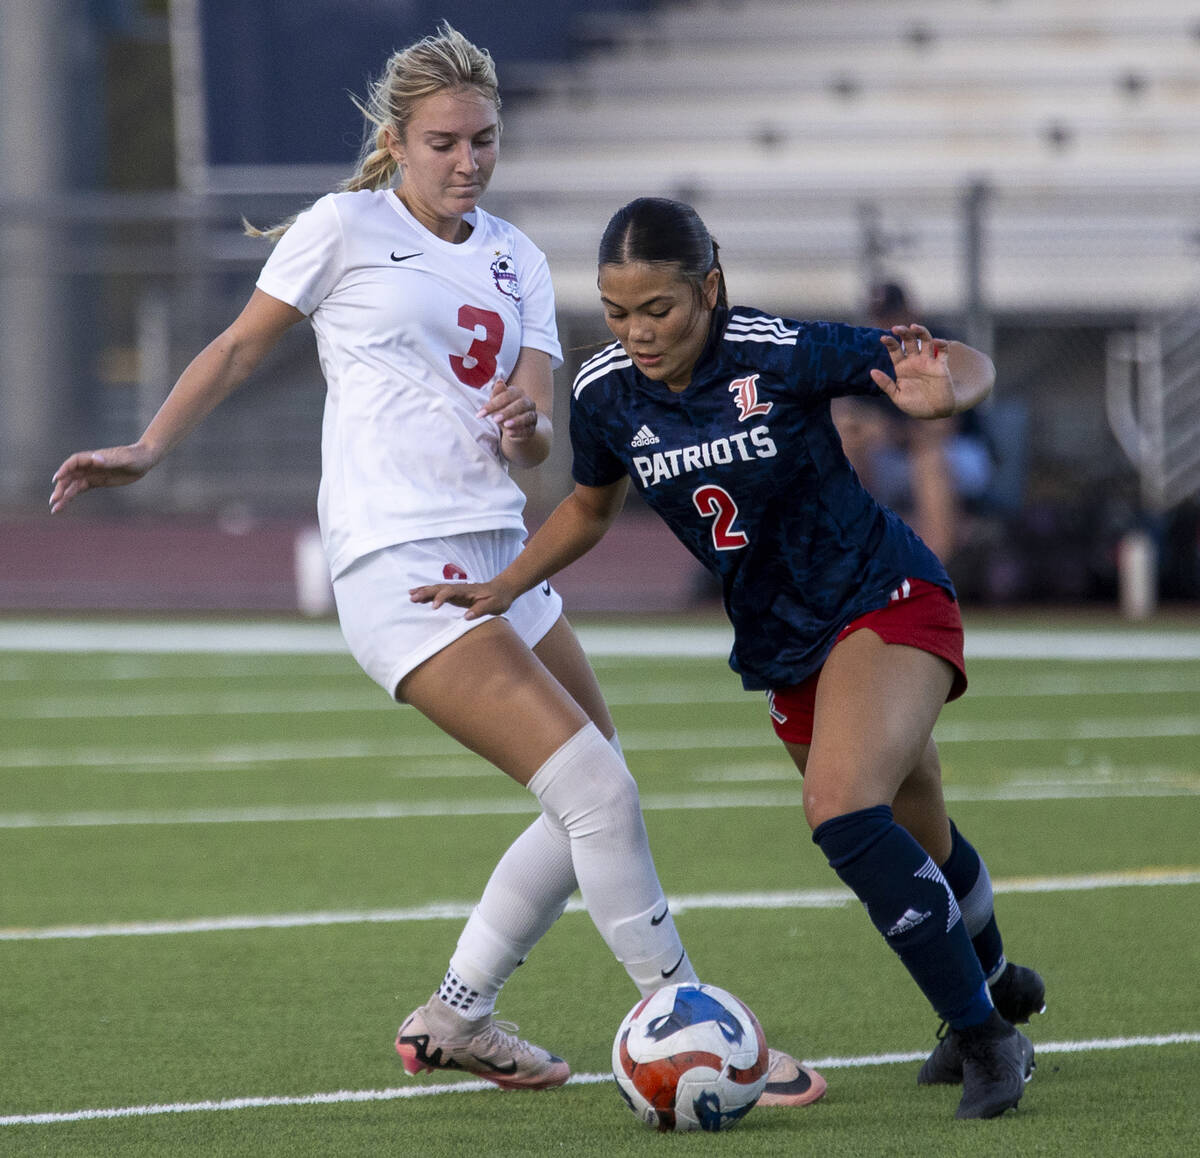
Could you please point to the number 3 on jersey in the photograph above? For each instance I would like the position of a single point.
(478, 366)
(716, 503)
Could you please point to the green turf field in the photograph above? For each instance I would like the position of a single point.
(228, 875)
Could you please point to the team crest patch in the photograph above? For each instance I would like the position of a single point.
(745, 395)
(504, 274)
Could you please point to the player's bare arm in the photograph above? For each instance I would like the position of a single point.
(211, 377)
(575, 526)
(523, 408)
(934, 378)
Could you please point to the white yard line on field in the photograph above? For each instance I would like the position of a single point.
(1062, 789)
(92, 667)
(1048, 1047)
(251, 752)
(1099, 771)
(1094, 680)
(632, 740)
(119, 704)
(325, 638)
(1089, 728)
(460, 910)
(343, 1097)
(173, 638)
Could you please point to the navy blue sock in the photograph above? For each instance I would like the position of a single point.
(967, 875)
(910, 903)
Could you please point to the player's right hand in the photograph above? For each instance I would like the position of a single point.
(115, 466)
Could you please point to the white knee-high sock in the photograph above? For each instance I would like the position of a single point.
(525, 895)
(586, 785)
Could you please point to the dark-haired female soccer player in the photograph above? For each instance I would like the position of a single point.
(841, 613)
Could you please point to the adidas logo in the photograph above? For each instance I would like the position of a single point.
(910, 920)
(644, 437)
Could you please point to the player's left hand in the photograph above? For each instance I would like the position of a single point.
(513, 410)
(922, 387)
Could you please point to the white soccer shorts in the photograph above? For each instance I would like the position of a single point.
(390, 635)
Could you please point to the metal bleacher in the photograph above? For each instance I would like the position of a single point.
(790, 125)
(823, 142)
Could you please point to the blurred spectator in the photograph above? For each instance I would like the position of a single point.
(934, 474)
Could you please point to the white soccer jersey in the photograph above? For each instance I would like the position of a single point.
(412, 333)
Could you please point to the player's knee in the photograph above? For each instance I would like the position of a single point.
(834, 786)
(587, 787)
(613, 790)
(818, 809)
(827, 797)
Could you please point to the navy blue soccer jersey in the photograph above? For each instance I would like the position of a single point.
(747, 468)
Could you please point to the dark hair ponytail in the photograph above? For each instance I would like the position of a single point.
(660, 231)
(722, 295)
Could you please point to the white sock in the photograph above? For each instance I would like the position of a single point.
(525, 895)
(586, 785)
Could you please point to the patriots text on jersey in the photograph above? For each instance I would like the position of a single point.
(668, 464)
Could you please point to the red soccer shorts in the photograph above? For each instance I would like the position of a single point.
(918, 614)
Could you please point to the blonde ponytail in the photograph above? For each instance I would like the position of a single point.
(377, 170)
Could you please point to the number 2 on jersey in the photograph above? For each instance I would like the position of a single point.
(716, 503)
(482, 352)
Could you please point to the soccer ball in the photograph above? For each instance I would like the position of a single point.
(690, 1057)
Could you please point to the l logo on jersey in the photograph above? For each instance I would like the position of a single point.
(745, 392)
(504, 274)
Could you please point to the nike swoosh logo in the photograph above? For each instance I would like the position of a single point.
(546, 591)
(507, 1068)
(670, 972)
(406, 256)
(661, 917)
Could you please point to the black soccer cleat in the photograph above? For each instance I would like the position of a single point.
(1018, 993)
(943, 1067)
(997, 1061)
